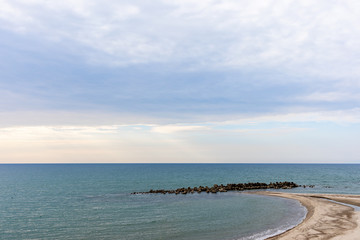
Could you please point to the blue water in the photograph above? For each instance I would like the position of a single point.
(85, 201)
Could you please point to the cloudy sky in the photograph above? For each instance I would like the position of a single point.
(179, 81)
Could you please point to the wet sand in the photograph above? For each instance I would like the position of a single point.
(324, 219)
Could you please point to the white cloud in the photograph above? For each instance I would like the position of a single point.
(350, 116)
(198, 123)
(330, 97)
(263, 138)
(54, 133)
(14, 18)
(305, 37)
(162, 143)
(73, 118)
(167, 129)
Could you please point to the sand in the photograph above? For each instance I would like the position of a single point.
(324, 219)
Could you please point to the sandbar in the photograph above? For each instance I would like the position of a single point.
(324, 219)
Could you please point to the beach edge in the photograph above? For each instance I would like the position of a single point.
(324, 219)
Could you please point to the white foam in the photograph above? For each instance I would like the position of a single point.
(273, 232)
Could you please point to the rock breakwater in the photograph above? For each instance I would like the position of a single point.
(226, 188)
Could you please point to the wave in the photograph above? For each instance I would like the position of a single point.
(274, 231)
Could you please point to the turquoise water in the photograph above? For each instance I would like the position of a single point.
(85, 201)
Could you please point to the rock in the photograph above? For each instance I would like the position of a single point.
(228, 187)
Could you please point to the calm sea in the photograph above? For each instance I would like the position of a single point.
(93, 201)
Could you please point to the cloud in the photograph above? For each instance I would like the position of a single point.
(54, 133)
(316, 38)
(193, 123)
(97, 27)
(128, 81)
(331, 97)
(350, 116)
(163, 58)
(213, 142)
(177, 128)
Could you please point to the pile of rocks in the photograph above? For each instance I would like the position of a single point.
(225, 188)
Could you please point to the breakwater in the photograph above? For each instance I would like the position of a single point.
(228, 187)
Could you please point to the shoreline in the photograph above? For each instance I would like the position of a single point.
(324, 219)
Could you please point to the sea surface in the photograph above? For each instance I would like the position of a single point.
(94, 201)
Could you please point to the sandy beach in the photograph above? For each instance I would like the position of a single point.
(325, 219)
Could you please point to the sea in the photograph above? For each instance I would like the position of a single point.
(94, 201)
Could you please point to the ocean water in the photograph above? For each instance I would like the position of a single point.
(93, 201)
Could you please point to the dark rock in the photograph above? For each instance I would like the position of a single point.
(228, 187)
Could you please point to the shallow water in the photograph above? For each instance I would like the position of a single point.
(77, 201)
(356, 208)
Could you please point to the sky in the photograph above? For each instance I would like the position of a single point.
(226, 81)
